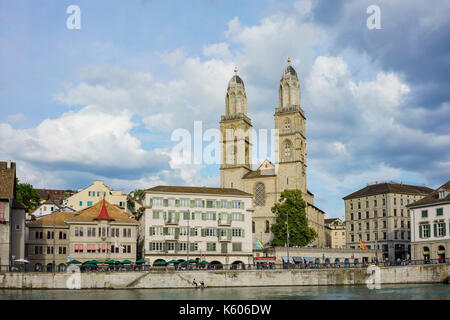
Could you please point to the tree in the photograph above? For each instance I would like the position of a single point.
(27, 195)
(300, 234)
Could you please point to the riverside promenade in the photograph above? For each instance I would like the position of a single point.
(165, 279)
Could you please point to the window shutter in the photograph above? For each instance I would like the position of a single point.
(203, 232)
(166, 202)
(214, 216)
(229, 217)
(165, 215)
(186, 215)
(217, 204)
(228, 234)
(165, 231)
(191, 246)
(192, 231)
(165, 247)
(243, 233)
(177, 233)
(177, 216)
(444, 232)
(242, 217)
(152, 231)
(150, 246)
(203, 216)
(177, 203)
(420, 232)
(435, 230)
(192, 203)
(242, 205)
(151, 201)
(228, 204)
(203, 203)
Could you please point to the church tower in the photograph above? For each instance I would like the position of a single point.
(235, 128)
(290, 122)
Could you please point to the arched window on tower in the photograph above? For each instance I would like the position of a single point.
(287, 125)
(253, 226)
(260, 194)
(267, 226)
(287, 150)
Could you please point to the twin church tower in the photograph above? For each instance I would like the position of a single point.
(268, 181)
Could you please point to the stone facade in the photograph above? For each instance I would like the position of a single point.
(87, 197)
(378, 215)
(430, 218)
(269, 180)
(214, 223)
(335, 233)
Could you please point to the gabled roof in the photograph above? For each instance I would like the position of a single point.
(54, 194)
(56, 217)
(389, 187)
(259, 174)
(202, 190)
(433, 197)
(92, 213)
(7, 180)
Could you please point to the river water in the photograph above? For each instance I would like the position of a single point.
(401, 292)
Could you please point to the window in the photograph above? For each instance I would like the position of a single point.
(395, 235)
(440, 229)
(425, 231)
(424, 213)
(351, 206)
(442, 194)
(367, 215)
(184, 203)
(384, 202)
(368, 237)
(375, 213)
(287, 149)
(237, 204)
(401, 201)
(439, 212)
(236, 232)
(395, 212)
(359, 227)
(210, 203)
(223, 204)
(156, 246)
(351, 227)
(260, 196)
(81, 203)
(253, 226)
(402, 224)
(367, 226)
(198, 203)
(3, 211)
(401, 212)
(359, 215)
(384, 236)
(352, 237)
(267, 226)
(384, 224)
(89, 203)
(367, 204)
(157, 202)
(359, 205)
(351, 216)
(171, 246)
(209, 232)
(375, 203)
(395, 223)
(384, 212)
(287, 125)
(395, 201)
(237, 246)
(210, 246)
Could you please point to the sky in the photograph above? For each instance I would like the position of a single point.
(101, 102)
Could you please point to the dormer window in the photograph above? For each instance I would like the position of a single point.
(442, 194)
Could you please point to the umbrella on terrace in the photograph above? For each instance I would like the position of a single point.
(204, 262)
(92, 262)
(112, 262)
(73, 262)
(192, 261)
(173, 261)
(22, 261)
(140, 261)
(126, 262)
(160, 263)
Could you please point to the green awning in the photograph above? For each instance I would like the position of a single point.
(441, 252)
(426, 253)
(174, 261)
(73, 262)
(126, 262)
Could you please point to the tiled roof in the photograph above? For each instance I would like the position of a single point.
(7, 180)
(91, 213)
(389, 187)
(433, 198)
(48, 219)
(53, 194)
(203, 190)
(18, 205)
(258, 174)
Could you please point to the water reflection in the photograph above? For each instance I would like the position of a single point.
(402, 292)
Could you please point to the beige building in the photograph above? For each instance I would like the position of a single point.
(212, 224)
(377, 214)
(48, 237)
(85, 198)
(430, 218)
(268, 181)
(335, 233)
(102, 232)
(12, 218)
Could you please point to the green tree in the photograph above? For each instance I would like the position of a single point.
(300, 234)
(138, 193)
(27, 195)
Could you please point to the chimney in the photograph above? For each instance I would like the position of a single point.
(8, 164)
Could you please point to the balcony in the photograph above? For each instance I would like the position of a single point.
(226, 238)
(224, 222)
(171, 221)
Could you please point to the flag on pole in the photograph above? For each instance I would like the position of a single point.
(259, 244)
(363, 247)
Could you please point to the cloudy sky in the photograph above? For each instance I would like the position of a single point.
(101, 102)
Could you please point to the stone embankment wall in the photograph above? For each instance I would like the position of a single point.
(245, 278)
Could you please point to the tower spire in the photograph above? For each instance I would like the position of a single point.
(103, 212)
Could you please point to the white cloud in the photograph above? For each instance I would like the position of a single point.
(15, 118)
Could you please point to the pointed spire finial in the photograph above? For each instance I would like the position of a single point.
(235, 69)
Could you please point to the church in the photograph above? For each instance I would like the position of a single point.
(268, 181)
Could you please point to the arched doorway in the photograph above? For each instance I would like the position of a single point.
(49, 267)
(237, 265)
(317, 261)
(356, 261)
(61, 267)
(336, 261)
(38, 267)
(426, 254)
(441, 254)
(327, 260)
(216, 265)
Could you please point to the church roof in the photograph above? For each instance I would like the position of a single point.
(235, 80)
(259, 174)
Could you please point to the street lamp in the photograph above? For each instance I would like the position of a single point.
(188, 245)
(54, 236)
(287, 237)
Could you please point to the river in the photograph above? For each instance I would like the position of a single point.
(401, 292)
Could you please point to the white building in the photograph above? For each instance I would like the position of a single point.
(430, 216)
(87, 197)
(215, 224)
